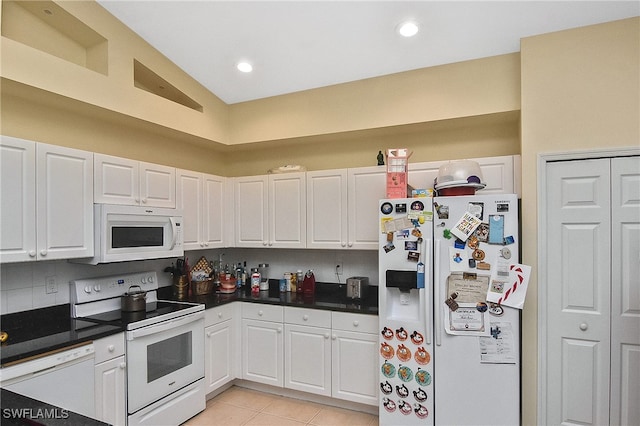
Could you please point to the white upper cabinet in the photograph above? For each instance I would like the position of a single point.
(270, 211)
(17, 200)
(124, 181)
(342, 207)
(500, 174)
(46, 207)
(366, 186)
(201, 197)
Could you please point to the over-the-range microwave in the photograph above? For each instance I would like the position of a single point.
(123, 233)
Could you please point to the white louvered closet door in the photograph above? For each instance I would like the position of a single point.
(593, 291)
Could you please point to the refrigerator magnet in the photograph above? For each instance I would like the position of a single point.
(386, 387)
(441, 211)
(420, 395)
(386, 208)
(476, 209)
(482, 233)
(466, 225)
(496, 229)
(388, 370)
(401, 208)
(402, 391)
(420, 410)
(413, 256)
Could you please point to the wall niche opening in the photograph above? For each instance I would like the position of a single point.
(45, 26)
(145, 79)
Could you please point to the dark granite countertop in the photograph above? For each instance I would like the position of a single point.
(39, 331)
(328, 296)
(17, 409)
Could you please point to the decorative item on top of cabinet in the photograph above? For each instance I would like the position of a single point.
(130, 182)
(46, 201)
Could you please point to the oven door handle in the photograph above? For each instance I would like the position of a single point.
(164, 326)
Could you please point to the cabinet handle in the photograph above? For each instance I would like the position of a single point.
(326, 335)
(32, 253)
(584, 326)
(343, 244)
(209, 334)
(279, 330)
(356, 323)
(334, 337)
(260, 313)
(43, 252)
(111, 348)
(305, 317)
(122, 366)
(219, 314)
(350, 244)
(144, 201)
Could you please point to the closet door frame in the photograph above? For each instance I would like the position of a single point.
(542, 272)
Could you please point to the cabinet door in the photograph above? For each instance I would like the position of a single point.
(117, 180)
(214, 204)
(307, 359)
(157, 185)
(64, 202)
(218, 353)
(251, 211)
(189, 200)
(355, 367)
(366, 186)
(111, 391)
(287, 211)
(17, 200)
(262, 354)
(327, 209)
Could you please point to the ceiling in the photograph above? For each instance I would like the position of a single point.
(302, 44)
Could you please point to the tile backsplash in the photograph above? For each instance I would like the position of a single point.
(23, 286)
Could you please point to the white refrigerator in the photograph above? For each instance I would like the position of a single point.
(447, 356)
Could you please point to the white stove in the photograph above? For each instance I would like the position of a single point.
(164, 346)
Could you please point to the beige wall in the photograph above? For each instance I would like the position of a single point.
(580, 90)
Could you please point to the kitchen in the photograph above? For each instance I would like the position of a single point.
(521, 115)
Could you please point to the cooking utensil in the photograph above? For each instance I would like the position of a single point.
(134, 301)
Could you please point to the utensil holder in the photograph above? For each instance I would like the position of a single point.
(181, 287)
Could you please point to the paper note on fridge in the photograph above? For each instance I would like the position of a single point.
(465, 226)
(512, 291)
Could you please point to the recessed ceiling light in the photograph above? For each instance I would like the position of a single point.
(244, 67)
(408, 29)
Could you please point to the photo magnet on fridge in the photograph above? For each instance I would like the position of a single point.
(465, 226)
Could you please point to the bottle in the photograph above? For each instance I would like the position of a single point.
(287, 279)
(255, 281)
(300, 277)
(239, 275)
(244, 273)
(294, 282)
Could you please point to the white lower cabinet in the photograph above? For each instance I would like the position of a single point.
(262, 344)
(219, 347)
(354, 348)
(327, 353)
(110, 374)
(307, 350)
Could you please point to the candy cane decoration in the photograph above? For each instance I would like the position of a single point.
(514, 286)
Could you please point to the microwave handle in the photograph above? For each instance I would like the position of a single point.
(174, 232)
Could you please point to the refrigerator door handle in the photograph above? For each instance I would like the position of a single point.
(429, 303)
(436, 295)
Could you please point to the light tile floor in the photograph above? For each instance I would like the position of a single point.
(240, 406)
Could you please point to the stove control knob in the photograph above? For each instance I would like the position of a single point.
(87, 289)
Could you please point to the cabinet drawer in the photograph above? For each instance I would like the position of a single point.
(354, 322)
(218, 314)
(311, 317)
(262, 312)
(109, 347)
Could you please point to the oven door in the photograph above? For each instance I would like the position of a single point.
(163, 358)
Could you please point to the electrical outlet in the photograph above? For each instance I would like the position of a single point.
(339, 268)
(51, 285)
